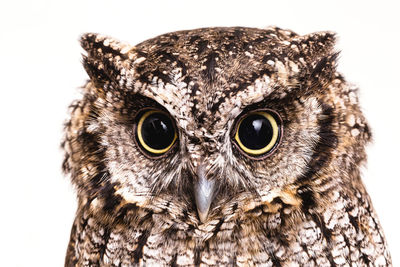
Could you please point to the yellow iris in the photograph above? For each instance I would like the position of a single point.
(141, 139)
(271, 143)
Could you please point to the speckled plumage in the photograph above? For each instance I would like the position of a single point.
(304, 205)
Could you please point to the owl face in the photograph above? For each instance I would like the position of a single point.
(204, 123)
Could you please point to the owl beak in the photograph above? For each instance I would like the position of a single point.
(203, 193)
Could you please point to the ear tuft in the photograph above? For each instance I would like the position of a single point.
(108, 60)
(95, 70)
(100, 46)
(324, 71)
(317, 50)
(316, 45)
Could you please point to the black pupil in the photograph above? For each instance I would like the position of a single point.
(255, 132)
(158, 131)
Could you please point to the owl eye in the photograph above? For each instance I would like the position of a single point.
(258, 133)
(155, 132)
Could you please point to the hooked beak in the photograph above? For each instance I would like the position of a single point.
(203, 193)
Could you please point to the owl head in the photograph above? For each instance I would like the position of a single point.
(210, 124)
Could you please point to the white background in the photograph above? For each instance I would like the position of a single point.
(40, 71)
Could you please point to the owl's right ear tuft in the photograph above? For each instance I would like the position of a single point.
(317, 45)
(95, 70)
(102, 46)
(108, 60)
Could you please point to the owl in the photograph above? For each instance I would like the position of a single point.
(219, 147)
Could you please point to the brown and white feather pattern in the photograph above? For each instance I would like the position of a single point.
(304, 205)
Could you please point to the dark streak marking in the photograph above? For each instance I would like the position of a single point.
(146, 217)
(218, 226)
(326, 232)
(365, 259)
(211, 64)
(146, 76)
(242, 84)
(107, 193)
(158, 73)
(185, 215)
(70, 258)
(234, 207)
(195, 101)
(173, 260)
(97, 74)
(328, 254)
(307, 196)
(165, 55)
(194, 90)
(138, 252)
(323, 71)
(276, 262)
(194, 38)
(319, 67)
(201, 46)
(353, 220)
(327, 142)
(370, 212)
(234, 260)
(125, 210)
(201, 118)
(348, 245)
(305, 248)
(174, 37)
(261, 39)
(106, 237)
(90, 44)
(197, 258)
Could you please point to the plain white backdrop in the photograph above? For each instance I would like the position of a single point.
(40, 71)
